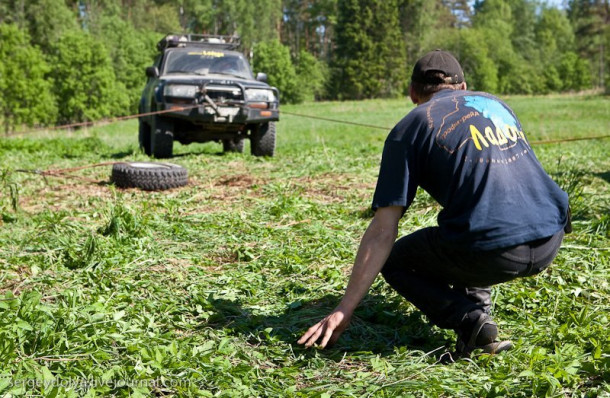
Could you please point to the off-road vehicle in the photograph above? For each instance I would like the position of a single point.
(201, 89)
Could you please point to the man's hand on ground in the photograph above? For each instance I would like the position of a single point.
(327, 330)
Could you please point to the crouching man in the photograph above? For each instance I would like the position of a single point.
(502, 216)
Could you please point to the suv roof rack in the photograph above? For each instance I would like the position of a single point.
(191, 39)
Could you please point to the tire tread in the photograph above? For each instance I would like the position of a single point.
(128, 175)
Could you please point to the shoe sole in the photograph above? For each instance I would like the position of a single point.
(496, 347)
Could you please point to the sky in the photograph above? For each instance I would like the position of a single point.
(557, 3)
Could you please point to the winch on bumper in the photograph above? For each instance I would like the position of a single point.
(204, 114)
(222, 110)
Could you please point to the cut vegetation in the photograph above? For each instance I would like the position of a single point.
(202, 290)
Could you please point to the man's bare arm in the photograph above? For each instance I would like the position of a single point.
(373, 251)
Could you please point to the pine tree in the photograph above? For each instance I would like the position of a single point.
(591, 22)
(308, 25)
(421, 22)
(253, 20)
(370, 55)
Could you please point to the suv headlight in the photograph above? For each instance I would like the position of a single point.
(180, 90)
(260, 95)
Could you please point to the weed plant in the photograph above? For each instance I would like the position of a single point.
(203, 290)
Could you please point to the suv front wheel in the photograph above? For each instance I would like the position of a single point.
(262, 140)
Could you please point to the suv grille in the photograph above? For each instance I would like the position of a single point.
(224, 93)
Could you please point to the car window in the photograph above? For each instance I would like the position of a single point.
(205, 61)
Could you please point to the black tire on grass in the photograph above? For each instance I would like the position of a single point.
(149, 176)
(233, 145)
(144, 138)
(262, 140)
(162, 138)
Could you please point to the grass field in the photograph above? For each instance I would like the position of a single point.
(203, 290)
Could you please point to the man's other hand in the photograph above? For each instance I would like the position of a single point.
(328, 330)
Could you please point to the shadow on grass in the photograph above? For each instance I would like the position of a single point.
(378, 326)
(122, 155)
(605, 176)
(181, 152)
(197, 153)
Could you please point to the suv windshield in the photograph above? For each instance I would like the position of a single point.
(205, 61)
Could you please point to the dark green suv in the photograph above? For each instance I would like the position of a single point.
(201, 89)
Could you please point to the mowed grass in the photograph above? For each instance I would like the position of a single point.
(203, 290)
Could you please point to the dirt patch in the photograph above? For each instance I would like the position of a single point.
(180, 265)
(226, 192)
(241, 181)
(332, 188)
(229, 192)
(64, 195)
(14, 279)
(172, 265)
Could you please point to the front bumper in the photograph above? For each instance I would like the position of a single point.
(217, 103)
(219, 114)
(203, 123)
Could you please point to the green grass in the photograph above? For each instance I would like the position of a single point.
(204, 290)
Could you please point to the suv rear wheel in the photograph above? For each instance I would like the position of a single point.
(262, 140)
(233, 145)
(162, 138)
(144, 137)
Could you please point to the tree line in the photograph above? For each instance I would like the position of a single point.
(65, 61)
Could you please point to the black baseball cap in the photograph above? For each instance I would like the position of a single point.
(438, 61)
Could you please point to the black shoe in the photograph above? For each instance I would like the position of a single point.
(482, 336)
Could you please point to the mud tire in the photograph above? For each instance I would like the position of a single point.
(162, 138)
(233, 145)
(148, 176)
(144, 138)
(262, 140)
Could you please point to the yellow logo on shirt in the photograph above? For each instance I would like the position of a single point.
(506, 137)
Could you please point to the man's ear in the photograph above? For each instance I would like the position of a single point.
(463, 86)
(413, 95)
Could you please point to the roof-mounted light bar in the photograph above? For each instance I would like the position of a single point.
(191, 39)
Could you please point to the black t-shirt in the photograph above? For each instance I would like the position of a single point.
(468, 151)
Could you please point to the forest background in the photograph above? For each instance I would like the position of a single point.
(65, 61)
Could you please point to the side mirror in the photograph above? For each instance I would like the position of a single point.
(152, 71)
(261, 77)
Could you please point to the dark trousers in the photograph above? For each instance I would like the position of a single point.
(446, 283)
